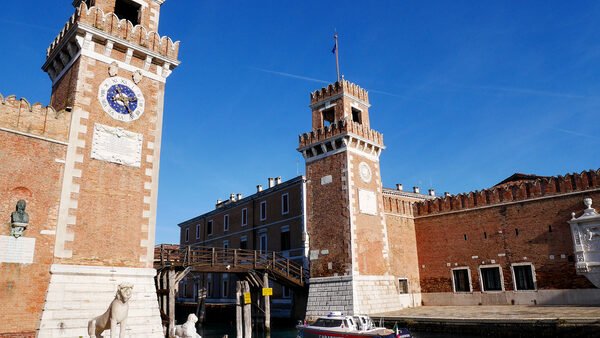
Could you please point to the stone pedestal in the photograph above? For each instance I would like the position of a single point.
(79, 293)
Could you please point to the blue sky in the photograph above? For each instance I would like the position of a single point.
(466, 93)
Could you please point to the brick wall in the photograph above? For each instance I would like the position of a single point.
(533, 230)
(23, 286)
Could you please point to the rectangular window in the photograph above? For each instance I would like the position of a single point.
(209, 227)
(226, 223)
(285, 204)
(285, 239)
(187, 234)
(225, 288)
(461, 280)
(263, 243)
(244, 216)
(243, 242)
(490, 279)
(523, 277)
(403, 285)
(356, 115)
(209, 284)
(263, 210)
(225, 244)
(198, 231)
(286, 292)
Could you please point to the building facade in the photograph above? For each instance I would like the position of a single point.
(272, 219)
(87, 169)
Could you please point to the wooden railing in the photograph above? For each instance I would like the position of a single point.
(210, 259)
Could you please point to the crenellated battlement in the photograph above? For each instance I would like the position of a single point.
(339, 87)
(45, 121)
(122, 29)
(521, 191)
(339, 128)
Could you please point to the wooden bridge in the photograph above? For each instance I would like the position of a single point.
(238, 261)
(173, 264)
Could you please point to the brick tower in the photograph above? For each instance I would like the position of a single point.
(108, 68)
(349, 251)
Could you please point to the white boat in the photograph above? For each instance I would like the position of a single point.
(336, 325)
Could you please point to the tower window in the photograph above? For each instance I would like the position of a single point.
(128, 10)
(356, 115)
(328, 117)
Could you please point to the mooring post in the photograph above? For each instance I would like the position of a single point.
(172, 289)
(247, 310)
(238, 310)
(267, 303)
(201, 309)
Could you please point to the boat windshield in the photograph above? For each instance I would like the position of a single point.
(328, 322)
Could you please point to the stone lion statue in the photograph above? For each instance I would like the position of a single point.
(116, 314)
(188, 329)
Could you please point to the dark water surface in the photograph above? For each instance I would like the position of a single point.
(288, 330)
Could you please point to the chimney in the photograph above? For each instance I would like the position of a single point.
(446, 194)
(416, 190)
(239, 197)
(232, 197)
(399, 187)
(219, 201)
(271, 182)
(259, 188)
(278, 180)
(431, 192)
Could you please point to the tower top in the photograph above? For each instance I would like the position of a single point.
(339, 88)
(138, 12)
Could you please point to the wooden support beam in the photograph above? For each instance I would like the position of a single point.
(267, 305)
(238, 310)
(247, 312)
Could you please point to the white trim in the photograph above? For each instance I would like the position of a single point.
(468, 276)
(260, 210)
(501, 278)
(514, 279)
(34, 136)
(212, 227)
(287, 195)
(226, 223)
(187, 234)
(198, 228)
(244, 220)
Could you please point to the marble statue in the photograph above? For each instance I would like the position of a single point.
(19, 220)
(116, 314)
(188, 329)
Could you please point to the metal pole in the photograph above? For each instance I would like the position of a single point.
(337, 59)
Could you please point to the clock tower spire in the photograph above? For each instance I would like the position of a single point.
(108, 66)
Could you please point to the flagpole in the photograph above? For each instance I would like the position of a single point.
(337, 59)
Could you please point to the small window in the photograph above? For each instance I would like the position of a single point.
(490, 279)
(244, 242)
(225, 244)
(244, 216)
(226, 223)
(209, 227)
(198, 231)
(356, 115)
(209, 284)
(461, 280)
(128, 10)
(225, 288)
(262, 243)
(285, 204)
(286, 292)
(286, 243)
(403, 285)
(263, 210)
(523, 277)
(187, 234)
(328, 117)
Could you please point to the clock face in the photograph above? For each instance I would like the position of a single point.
(121, 99)
(365, 172)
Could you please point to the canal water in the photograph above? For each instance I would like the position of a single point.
(288, 330)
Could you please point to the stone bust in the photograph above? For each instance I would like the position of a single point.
(19, 219)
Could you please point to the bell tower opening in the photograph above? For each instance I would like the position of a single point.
(328, 117)
(356, 115)
(128, 10)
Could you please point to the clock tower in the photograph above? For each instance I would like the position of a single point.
(108, 67)
(349, 250)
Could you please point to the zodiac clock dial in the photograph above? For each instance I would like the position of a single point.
(121, 99)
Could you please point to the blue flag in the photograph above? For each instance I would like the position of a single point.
(334, 48)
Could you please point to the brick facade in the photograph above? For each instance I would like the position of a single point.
(92, 220)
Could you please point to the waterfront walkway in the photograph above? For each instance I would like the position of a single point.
(507, 320)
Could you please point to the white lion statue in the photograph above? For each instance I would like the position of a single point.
(187, 329)
(116, 314)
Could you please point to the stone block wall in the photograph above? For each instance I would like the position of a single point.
(329, 294)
